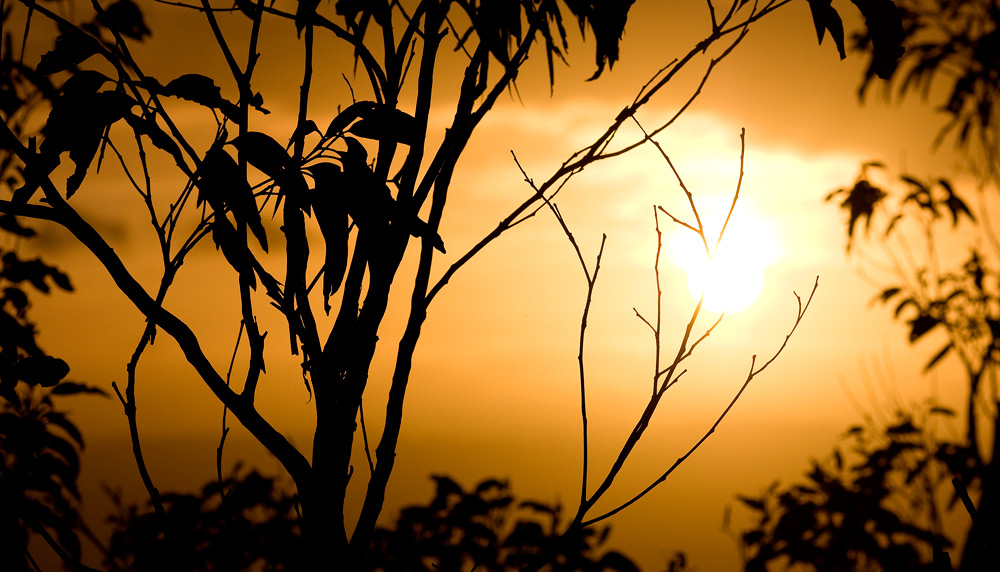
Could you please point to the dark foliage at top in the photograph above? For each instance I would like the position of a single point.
(955, 43)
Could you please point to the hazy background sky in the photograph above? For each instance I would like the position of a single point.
(494, 391)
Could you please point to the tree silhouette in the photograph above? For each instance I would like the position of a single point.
(371, 183)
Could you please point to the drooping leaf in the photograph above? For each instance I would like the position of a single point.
(607, 20)
(954, 203)
(329, 204)
(825, 17)
(263, 152)
(224, 187)
(860, 203)
(108, 108)
(885, 28)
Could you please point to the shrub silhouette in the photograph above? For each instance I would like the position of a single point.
(871, 507)
(245, 522)
(486, 529)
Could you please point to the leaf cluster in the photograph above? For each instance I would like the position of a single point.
(883, 31)
(961, 300)
(956, 44)
(486, 529)
(244, 522)
(876, 512)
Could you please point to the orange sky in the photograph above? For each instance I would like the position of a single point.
(494, 389)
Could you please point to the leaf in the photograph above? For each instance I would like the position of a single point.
(107, 108)
(888, 293)
(954, 203)
(386, 124)
(70, 50)
(304, 14)
(263, 152)
(940, 410)
(937, 357)
(756, 504)
(328, 202)
(825, 17)
(902, 428)
(922, 324)
(156, 135)
(607, 21)
(126, 18)
(203, 91)
(73, 388)
(892, 224)
(885, 28)
(42, 370)
(860, 202)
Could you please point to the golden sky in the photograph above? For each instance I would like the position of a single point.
(494, 389)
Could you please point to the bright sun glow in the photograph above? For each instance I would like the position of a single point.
(733, 279)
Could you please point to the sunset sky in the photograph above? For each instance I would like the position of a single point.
(494, 391)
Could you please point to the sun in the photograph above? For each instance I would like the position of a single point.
(733, 278)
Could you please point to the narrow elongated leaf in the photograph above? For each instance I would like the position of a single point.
(328, 203)
(937, 357)
(825, 17)
(263, 152)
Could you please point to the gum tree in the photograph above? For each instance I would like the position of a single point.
(368, 180)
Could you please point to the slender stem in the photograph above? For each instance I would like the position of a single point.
(750, 376)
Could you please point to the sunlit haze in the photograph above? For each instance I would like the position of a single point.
(733, 276)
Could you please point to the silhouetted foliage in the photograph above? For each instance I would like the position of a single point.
(486, 529)
(954, 43)
(874, 505)
(369, 183)
(245, 522)
(883, 31)
(40, 446)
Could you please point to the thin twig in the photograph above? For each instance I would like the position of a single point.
(753, 373)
